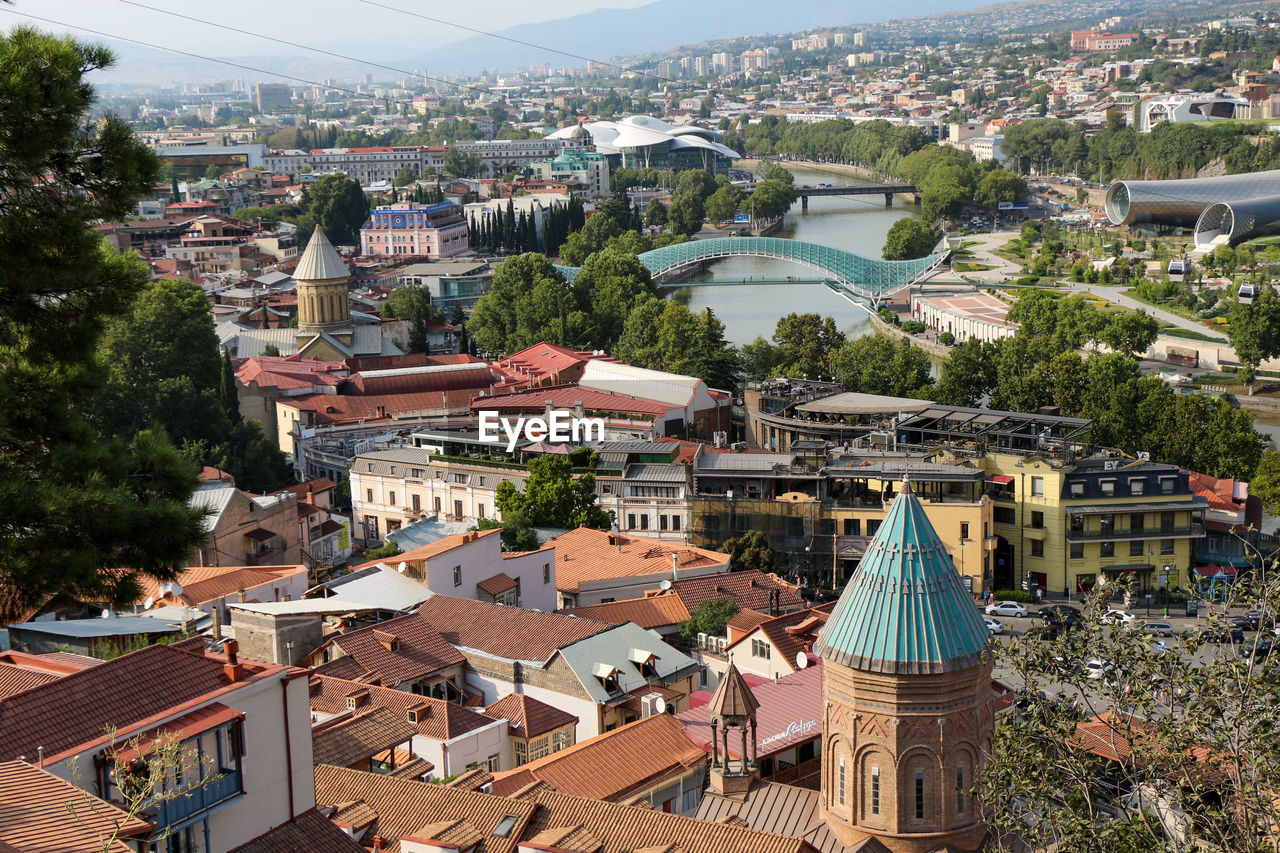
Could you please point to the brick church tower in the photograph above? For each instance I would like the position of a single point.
(908, 710)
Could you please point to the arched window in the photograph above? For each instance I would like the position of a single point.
(874, 806)
(842, 781)
(960, 797)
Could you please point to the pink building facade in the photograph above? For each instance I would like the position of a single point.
(415, 230)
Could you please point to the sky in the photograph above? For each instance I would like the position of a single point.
(349, 26)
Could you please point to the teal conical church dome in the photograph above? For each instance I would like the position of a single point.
(905, 610)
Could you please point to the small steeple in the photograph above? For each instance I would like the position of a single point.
(733, 706)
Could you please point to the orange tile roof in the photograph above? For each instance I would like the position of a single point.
(437, 719)
(614, 765)
(402, 807)
(584, 554)
(308, 831)
(203, 584)
(432, 549)
(627, 829)
(348, 740)
(792, 633)
(529, 717)
(750, 589)
(505, 632)
(34, 815)
(17, 679)
(420, 650)
(655, 611)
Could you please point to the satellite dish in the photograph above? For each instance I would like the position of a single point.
(665, 585)
(403, 565)
(660, 705)
(802, 659)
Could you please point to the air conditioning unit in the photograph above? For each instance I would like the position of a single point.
(721, 642)
(702, 640)
(652, 703)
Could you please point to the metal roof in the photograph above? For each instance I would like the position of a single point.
(905, 609)
(114, 626)
(672, 472)
(320, 262)
(853, 403)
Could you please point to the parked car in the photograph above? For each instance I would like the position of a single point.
(1046, 630)
(1260, 649)
(1096, 669)
(1006, 608)
(1057, 610)
(993, 626)
(1160, 629)
(1222, 635)
(1116, 617)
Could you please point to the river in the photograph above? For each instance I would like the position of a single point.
(856, 224)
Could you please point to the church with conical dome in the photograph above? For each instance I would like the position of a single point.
(326, 328)
(907, 710)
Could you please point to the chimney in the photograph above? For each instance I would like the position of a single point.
(217, 621)
(675, 566)
(379, 844)
(240, 596)
(233, 669)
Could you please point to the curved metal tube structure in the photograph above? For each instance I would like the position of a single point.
(867, 279)
(1234, 222)
(1181, 202)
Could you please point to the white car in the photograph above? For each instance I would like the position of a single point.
(1006, 608)
(1113, 617)
(993, 626)
(1095, 669)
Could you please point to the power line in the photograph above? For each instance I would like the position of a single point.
(334, 54)
(512, 40)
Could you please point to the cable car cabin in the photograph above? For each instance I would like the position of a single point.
(1247, 293)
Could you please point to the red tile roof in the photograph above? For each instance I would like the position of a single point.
(567, 397)
(433, 549)
(584, 554)
(613, 765)
(418, 652)
(344, 408)
(542, 359)
(203, 584)
(790, 712)
(436, 718)
(17, 679)
(529, 717)
(498, 584)
(347, 741)
(750, 589)
(792, 633)
(401, 807)
(655, 611)
(308, 831)
(34, 815)
(505, 632)
(78, 709)
(474, 377)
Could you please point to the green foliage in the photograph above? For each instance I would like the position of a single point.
(336, 204)
(72, 504)
(655, 214)
(968, 375)
(946, 339)
(724, 203)
(710, 617)
(913, 327)
(528, 302)
(1266, 482)
(389, 549)
(760, 359)
(552, 497)
(771, 198)
(750, 551)
(909, 239)
(1254, 330)
(664, 335)
(874, 364)
(413, 303)
(1019, 595)
(403, 177)
(685, 214)
(806, 344)
(462, 165)
(695, 182)
(258, 214)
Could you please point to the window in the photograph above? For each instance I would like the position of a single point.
(1166, 546)
(1107, 549)
(1108, 488)
(675, 522)
(391, 498)
(479, 510)
(1077, 550)
(435, 504)
(760, 649)
(919, 795)
(842, 781)
(457, 575)
(368, 495)
(852, 527)
(457, 509)
(873, 524)
(521, 751)
(393, 470)
(1166, 521)
(1136, 521)
(561, 740)
(1037, 487)
(1166, 485)
(875, 790)
(417, 502)
(1077, 490)
(1004, 515)
(492, 764)
(689, 800)
(504, 827)
(1135, 548)
(644, 522)
(1037, 547)
(631, 521)
(1107, 522)
(1037, 520)
(964, 531)
(662, 522)
(1137, 487)
(546, 573)
(960, 789)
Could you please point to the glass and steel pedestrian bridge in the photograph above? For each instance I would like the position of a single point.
(869, 280)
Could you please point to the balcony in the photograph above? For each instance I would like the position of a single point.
(182, 808)
(266, 557)
(1193, 531)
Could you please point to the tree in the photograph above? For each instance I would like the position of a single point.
(710, 617)
(760, 359)
(213, 173)
(685, 214)
(271, 350)
(1000, 185)
(1178, 743)
(72, 504)
(403, 177)
(1254, 331)
(873, 364)
(724, 203)
(696, 182)
(1266, 482)
(528, 302)
(1130, 332)
(335, 203)
(608, 285)
(908, 239)
(750, 552)
(552, 497)
(771, 199)
(655, 215)
(462, 165)
(413, 303)
(807, 342)
(389, 549)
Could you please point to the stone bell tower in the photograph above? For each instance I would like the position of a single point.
(733, 707)
(908, 709)
(323, 304)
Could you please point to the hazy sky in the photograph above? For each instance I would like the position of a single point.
(345, 25)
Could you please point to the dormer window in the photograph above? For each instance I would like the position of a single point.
(1137, 487)
(607, 674)
(1107, 487)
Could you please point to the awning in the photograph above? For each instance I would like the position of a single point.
(258, 534)
(1119, 570)
(1000, 479)
(1216, 571)
(181, 729)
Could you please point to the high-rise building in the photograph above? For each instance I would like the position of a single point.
(859, 39)
(720, 62)
(269, 95)
(755, 59)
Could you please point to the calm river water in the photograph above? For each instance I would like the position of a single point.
(857, 224)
